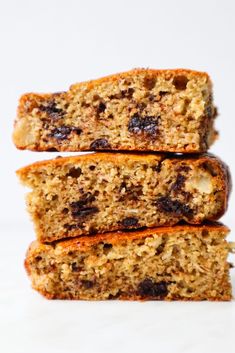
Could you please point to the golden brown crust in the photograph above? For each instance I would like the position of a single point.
(64, 270)
(114, 77)
(155, 72)
(102, 156)
(66, 226)
(34, 128)
(85, 242)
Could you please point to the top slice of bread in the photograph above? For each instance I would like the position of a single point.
(139, 110)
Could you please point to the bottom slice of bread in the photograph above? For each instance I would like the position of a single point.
(184, 262)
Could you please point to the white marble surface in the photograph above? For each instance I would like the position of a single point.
(31, 324)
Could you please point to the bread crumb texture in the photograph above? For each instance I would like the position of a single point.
(166, 263)
(142, 109)
(96, 193)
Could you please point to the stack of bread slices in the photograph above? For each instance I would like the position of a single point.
(137, 218)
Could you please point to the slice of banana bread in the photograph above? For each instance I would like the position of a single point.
(166, 263)
(143, 109)
(100, 192)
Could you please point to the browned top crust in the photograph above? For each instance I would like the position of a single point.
(39, 114)
(168, 73)
(111, 156)
(101, 156)
(84, 243)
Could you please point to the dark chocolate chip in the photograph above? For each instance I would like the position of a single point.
(100, 144)
(147, 124)
(87, 284)
(101, 107)
(74, 172)
(123, 185)
(160, 249)
(158, 167)
(76, 130)
(86, 211)
(52, 111)
(148, 288)
(115, 96)
(175, 207)
(62, 132)
(82, 207)
(92, 167)
(179, 183)
(107, 246)
(129, 222)
(84, 200)
(38, 258)
(180, 82)
(162, 93)
(65, 210)
(75, 267)
(93, 231)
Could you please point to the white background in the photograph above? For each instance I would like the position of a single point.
(45, 46)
